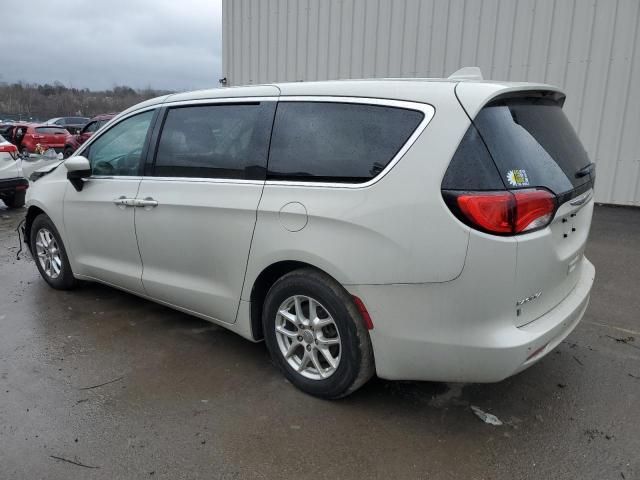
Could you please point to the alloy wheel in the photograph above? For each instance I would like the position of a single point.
(308, 337)
(48, 253)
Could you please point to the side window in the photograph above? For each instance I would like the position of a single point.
(118, 151)
(215, 141)
(337, 142)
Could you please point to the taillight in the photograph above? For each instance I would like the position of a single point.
(491, 211)
(10, 149)
(504, 212)
(534, 209)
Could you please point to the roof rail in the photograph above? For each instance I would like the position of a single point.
(467, 73)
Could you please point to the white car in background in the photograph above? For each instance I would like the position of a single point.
(13, 185)
(415, 229)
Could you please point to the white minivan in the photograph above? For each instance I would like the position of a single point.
(415, 229)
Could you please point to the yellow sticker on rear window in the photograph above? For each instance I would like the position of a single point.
(518, 178)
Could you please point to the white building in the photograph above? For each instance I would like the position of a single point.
(590, 48)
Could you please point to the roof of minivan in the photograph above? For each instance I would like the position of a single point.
(408, 89)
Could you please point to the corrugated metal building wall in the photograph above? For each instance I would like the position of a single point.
(590, 48)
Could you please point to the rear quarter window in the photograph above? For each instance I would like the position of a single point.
(337, 142)
(472, 167)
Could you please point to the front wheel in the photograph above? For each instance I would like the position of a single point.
(68, 151)
(50, 255)
(316, 336)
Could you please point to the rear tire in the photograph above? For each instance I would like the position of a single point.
(68, 151)
(14, 200)
(50, 255)
(327, 354)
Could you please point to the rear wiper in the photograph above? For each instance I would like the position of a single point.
(584, 171)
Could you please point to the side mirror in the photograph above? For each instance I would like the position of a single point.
(78, 167)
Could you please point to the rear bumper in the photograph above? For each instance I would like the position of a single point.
(13, 184)
(437, 348)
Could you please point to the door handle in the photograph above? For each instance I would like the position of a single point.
(146, 203)
(123, 201)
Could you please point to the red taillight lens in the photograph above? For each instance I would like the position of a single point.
(10, 149)
(534, 209)
(503, 212)
(491, 211)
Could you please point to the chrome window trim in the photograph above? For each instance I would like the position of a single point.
(178, 179)
(136, 178)
(205, 180)
(214, 101)
(425, 108)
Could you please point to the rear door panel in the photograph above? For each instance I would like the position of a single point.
(194, 244)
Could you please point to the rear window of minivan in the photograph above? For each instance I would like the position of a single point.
(337, 142)
(533, 144)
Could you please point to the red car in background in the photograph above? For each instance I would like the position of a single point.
(73, 142)
(27, 137)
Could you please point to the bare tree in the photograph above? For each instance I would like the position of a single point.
(40, 102)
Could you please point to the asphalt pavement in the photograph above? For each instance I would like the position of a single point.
(99, 384)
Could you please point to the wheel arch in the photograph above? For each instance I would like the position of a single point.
(264, 281)
(32, 212)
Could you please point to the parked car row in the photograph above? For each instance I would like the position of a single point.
(72, 124)
(35, 138)
(58, 134)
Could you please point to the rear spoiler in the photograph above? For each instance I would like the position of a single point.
(475, 95)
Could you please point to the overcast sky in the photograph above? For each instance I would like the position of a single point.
(97, 44)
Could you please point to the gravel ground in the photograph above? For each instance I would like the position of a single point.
(182, 398)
